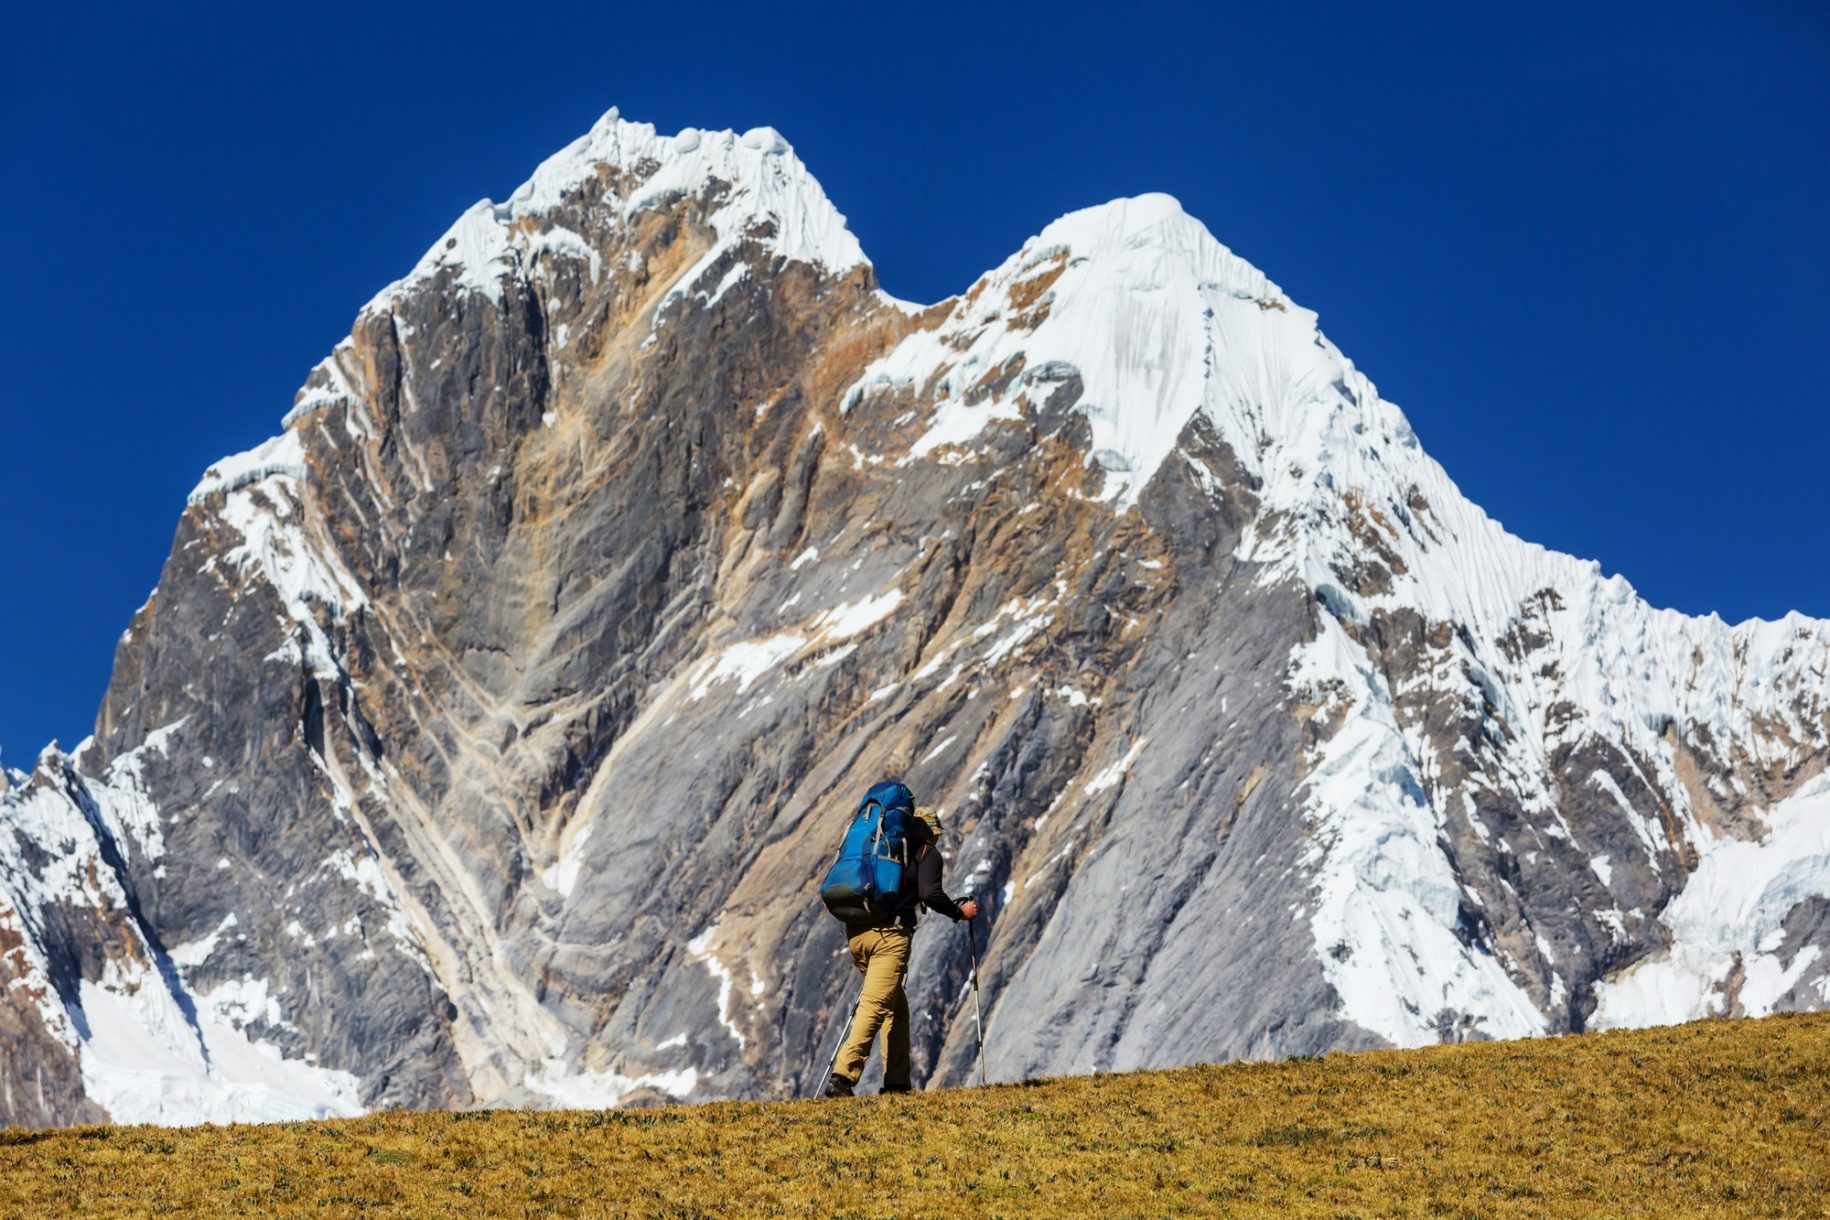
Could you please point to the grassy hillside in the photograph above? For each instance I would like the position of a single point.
(1720, 1118)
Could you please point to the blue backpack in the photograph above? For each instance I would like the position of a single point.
(864, 885)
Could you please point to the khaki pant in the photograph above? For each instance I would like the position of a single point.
(882, 956)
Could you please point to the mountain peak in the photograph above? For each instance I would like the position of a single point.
(772, 198)
(1154, 232)
(1126, 214)
(1136, 297)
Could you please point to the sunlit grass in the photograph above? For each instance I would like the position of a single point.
(1718, 1118)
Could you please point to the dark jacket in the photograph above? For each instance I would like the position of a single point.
(927, 891)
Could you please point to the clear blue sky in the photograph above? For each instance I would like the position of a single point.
(1585, 251)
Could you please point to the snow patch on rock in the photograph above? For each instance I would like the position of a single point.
(144, 1062)
(585, 1089)
(700, 950)
(1730, 915)
(1385, 899)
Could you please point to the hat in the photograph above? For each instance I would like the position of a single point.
(929, 817)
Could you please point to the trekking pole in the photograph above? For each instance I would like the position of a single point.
(978, 1016)
(819, 1083)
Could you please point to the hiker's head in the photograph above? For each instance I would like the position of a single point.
(928, 818)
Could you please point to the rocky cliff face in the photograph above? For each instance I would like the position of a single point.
(490, 727)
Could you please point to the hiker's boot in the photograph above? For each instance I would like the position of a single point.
(839, 1086)
(894, 1088)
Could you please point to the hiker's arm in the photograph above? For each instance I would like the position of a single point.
(927, 878)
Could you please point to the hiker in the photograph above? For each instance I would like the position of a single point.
(880, 950)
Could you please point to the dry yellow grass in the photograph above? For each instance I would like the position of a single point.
(1720, 1118)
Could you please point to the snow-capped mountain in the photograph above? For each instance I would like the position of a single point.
(490, 726)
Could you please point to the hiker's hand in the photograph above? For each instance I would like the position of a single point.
(969, 908)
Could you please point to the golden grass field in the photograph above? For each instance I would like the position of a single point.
(1722, 1118)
